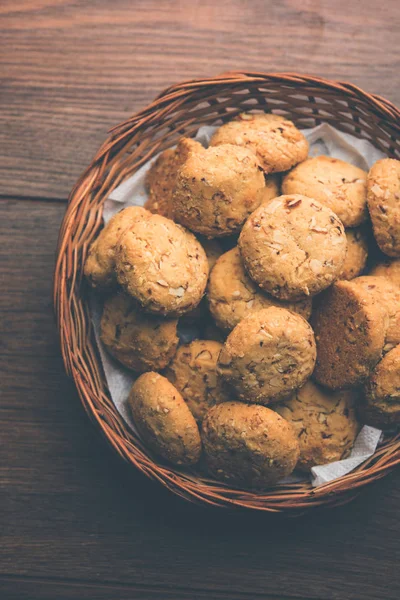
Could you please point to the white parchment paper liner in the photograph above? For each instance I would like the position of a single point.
(323, 139)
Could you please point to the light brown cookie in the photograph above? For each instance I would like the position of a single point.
(268, 355)
(356, 254)
(350, 329)
(389, 269)
(217, 189)
(384, 204)
(380, 406)
(247, 445)
(340, 186)
(164, 420)
(293, 247)
(325, 423)
(232, 295)
(162, 265)
(388, 296)
(161, 177)
(276, 142)
(193, 373)
(140, 341)
(100, 262)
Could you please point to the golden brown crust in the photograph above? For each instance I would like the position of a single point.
(340, 186)
(388, 296)
(232, 295)
(350, 328)
(162, 265)
(217, 189)
(390, 269)
(276, 142)
(164, 420)
(384, 204)
(100, 262)
(293, 247)
(161, 177)
(381, 404)
(193, 373)
(248, 445)
(140, 341)
(356, 254)
(268, 355)
(325, 423)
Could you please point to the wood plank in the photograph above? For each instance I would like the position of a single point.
(78, 522)
(71, 69)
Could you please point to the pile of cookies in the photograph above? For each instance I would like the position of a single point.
(264, 249)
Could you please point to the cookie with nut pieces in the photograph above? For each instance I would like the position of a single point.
(268, 355)
(293, 247)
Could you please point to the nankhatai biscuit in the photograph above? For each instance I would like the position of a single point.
(162, 265)
(232, 295)
(384, 204)
(268, 355)
(164, 420)
(193, 371)
(276, 141)
(217, 189)
(337, 184)
(293, 247)
(325, 423)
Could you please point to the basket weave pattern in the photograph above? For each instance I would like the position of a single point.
(181, 110)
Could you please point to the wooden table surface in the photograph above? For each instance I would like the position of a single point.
(74, 522)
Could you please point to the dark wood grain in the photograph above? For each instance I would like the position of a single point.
(75, 522)
(71, 69)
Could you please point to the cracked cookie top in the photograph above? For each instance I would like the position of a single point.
(324, 421)
(268, 355)
(337, 184)
(293, 247)
(276, 141)
(162, 265)
(217, 189)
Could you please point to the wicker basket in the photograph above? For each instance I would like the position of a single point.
(181, 110)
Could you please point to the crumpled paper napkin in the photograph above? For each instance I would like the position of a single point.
(323, 139)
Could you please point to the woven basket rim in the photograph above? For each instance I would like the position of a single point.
(80, 359)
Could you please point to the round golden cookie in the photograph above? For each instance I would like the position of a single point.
(350, 328)
(140, 341)
(193, 373)
(356, 254)
(389, 269)
(324, 421)
(340, 186)
(217, 189)
(293, 247)
(268, 355)
(162, 265)
(164, 420)
(232, 295)
(381, 405)
(161, 177)
(248, 445)
(100, 262)
(388, 296)
(276, 142)
(384, 204)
